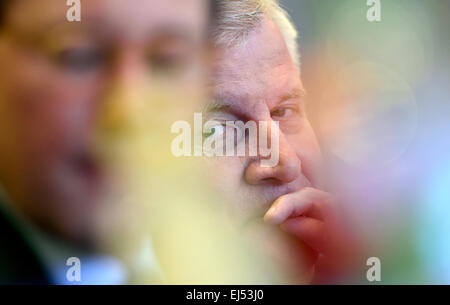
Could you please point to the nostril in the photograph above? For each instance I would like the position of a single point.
(256, 174)
(272, 181)
(288, 172)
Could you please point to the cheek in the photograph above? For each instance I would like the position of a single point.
(310, 155)
(226, 173)
(49, 115)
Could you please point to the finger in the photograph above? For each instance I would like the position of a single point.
(323, 202)
(307, 202)
(311, 231)
(286, 206)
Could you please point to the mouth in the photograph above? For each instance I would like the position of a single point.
(257, 215)
(87, 167)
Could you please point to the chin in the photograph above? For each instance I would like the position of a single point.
(67, 209)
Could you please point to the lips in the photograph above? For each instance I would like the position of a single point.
(86, 165)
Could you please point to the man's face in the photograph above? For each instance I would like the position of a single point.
(258, 81)
(61, 83)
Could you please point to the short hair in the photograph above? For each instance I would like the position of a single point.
(3, 5)
(236, 19)
(214, 6)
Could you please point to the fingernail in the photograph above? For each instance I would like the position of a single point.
(269, 216)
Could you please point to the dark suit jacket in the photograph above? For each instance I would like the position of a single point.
(18, 262)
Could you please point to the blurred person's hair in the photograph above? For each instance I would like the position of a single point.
(3, 5)
(214, 9)
(236, 19)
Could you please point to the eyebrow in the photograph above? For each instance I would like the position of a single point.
(218, 105)
(36, 34)
(297, 93)
(96, 26)
(224, 105)
(166, 29)
(172, 33)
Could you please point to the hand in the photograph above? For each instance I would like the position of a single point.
(311, 216)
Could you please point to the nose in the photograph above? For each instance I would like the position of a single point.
(121, 109)
(287, 170)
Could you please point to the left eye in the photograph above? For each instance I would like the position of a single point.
(216, 130)
(165, 63)
(282, 112)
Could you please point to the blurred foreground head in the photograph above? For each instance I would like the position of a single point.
(69, 89)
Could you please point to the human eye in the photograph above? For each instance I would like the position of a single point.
(168, 57)
(79, 59)
(285, 112)
(214, 129)
(74, 50)
(165, 63)
(224, 133)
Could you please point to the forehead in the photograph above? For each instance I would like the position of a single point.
(258, 69)
(130, 17)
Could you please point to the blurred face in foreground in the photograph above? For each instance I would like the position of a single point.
(65, 87)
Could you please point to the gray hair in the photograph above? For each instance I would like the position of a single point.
(237, 18)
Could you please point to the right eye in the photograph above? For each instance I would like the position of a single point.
(222, 132)
(80, 60)
(214, 130)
